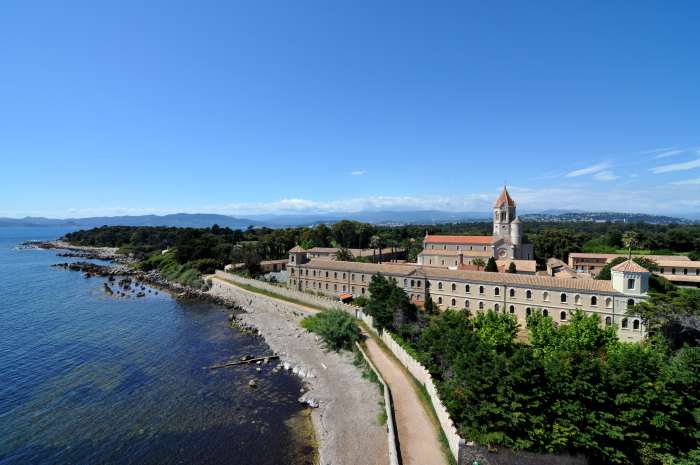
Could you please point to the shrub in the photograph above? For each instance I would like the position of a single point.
(338, 329)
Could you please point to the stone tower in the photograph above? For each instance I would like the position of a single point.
(503, 215)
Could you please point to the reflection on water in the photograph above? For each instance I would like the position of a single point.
(87, 378)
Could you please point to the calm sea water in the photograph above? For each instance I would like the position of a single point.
(90, 379)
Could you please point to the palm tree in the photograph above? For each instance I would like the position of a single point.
(374, 242)
(478, 263)
(343, 255)
(630, 239)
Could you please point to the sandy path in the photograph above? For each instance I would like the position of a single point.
(346, 421)
(418, 437)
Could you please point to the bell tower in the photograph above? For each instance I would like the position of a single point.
(503, 214)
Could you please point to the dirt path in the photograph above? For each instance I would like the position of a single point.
(418, 437)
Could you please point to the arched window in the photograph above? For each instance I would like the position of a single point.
(594, 300)
(440, 300)
(481, 289)
(363, 291)
(528, 311)
(413, 283)
(608, 321)
(352, 276)
(467, 288)
(608, 302)
(454, 287)
(512, 309)
(440, 285)
(454, 302)
(481, 305)
(635, 324)
(326, 274)
(497, 291)
(418, 283)
(577, 299)
(630, 303)
(405, 283)
(528, 294)
(466, 303)
(545, 312)
(545, 296)
(562, 298)
(496, 307)
(624, 323)
(562, 316)
(512, 293)
(343, 275)
(335, 275)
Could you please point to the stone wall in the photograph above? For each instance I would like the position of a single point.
(323, 302)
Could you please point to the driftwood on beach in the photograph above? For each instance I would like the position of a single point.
(243, 362)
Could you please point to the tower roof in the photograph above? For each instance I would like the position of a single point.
(630, 266)
(504, 198)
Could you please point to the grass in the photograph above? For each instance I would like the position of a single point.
(422, 395)
(274, 295)
(369, 374)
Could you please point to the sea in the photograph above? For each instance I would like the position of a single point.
(89, 378)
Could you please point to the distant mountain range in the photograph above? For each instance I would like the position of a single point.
(385, 218)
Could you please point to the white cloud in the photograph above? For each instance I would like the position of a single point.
(688, 165)
(605, 176)
(589, 170)
(662, 149)
(668, 153)
(686, 182)
(358, 173)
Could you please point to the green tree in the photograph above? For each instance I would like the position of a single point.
(343, 255)
(337, 328)
(512, 268)
(478, 263)
(491, 265)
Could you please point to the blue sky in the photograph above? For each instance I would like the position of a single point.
(288, 107)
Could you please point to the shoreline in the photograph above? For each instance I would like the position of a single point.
(340, 422)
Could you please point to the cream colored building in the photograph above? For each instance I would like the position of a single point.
(679, 269)
(477, 291)
(505, 244)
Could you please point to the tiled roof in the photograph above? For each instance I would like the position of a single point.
(631, 266)
(297, 249)
(656, 258)
(457, 240)
(544, 282)
(504, 198)
(679, 263)
(520, 265)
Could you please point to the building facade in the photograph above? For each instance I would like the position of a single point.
(477, 291)
(505, 243)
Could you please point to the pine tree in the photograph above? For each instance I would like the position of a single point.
(491, 265)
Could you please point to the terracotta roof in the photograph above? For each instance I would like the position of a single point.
(520, 265)
(682, 278)
(680, 263)
(456, 240)
(504, 198)
(631, 266)
(345, 296)
(543, 282)
(615, 255)
(297, 249)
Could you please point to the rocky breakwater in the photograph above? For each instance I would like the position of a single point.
(346, 406)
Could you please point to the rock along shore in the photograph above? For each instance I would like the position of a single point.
(346, 406)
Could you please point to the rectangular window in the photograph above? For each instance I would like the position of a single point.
(630, 284)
